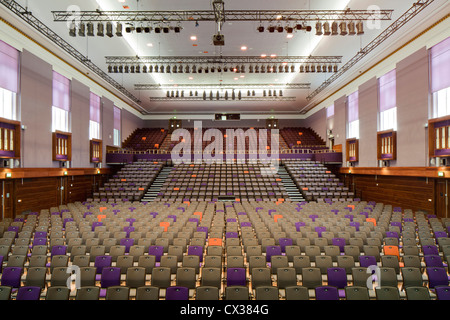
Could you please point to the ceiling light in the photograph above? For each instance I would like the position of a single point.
(326, 29)
(243, 48)
(273, 55)
(73, 30)
(360, 28)
(119, 29)
(263, 55)
(319, 31)
(90, 29)
(82, 30)
(290, 36)
(194, 38)
(109, 29)
(100, 28)
(149, 44)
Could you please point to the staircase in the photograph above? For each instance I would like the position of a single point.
(155, 187)
(293, 192)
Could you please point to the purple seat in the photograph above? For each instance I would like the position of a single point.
(367, 261)
(128, 230)
(65, 221)
(11, 277)
(172, 216)
(246, 224)
(349, 216)
(437, 277)
(285, 242)
(430, 250)
(203, 229)
(102, 262)
(28, 293)
(327, 293)
(231, 235)
(313, 217)
(96, 224)
(58, 251)
(40, 242)
(131, 220)
(443, 292)
(193, 220)
(319, 230)
(397, 224)
(433, 261)
(127, 242)
(391, 234)
(440, 234)
(355, 224)
(177, 293)
(40, 234)
(337, 277)
(231, 220)
(196, 251)
(340, 242)
(299, 224)
(156, 251)
(110, 277)
(272, 251)
(1, 264)
(236, 277)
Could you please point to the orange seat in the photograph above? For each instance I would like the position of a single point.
(164, 224)
(299, 142)
(391, 251)
(200, 214)
(176, 189)
(102, 209)
(215, 242)
(372, 220)
(277, 216)
(141, 189)
(237, 200)
(187, 202)
(100, 217)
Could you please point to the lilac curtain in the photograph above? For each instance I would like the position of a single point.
(330, 111)
(116, 118)
(440, 66)
(61, 91)
(388, 91)
(9, 67)
(95, 108)
(353, 107)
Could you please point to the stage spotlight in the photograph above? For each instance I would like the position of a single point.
(313, 68)
(289, 29)
(90, 29)
(156, 69)
(132, 69)
(271, 29)
(260, 29)
(144, 69)
(168, 69)
(161, 69)
(319, 31)
(334, 29)
(129, 29)
(73, 30)
(177, 29)
(302, 69)
(335, 68)
(110, 69)
(351, 29)
(120, 69)
(109, 29)
(280, 29)
(307, 69)
(194, 69)
(166, 29)
(298, 26)
(343, 28)
(139, 29)
(292, 68)
(119, 29)
(180, 69)
(158, 30)
(147, 29)
(360, 28)
(326, 29)
(127, 69)
(116, 69)
(82, 30)
(150, 69)
(100, 30)
(308, 28)
(330, 68)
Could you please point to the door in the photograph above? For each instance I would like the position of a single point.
(442, 198)
(7, 199)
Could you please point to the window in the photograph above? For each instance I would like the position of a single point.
(330, 111)
(9, 70)
(94, 122)
(61, 103)
(387, 86)
(353, 115)
(440, 78)
(117, 115)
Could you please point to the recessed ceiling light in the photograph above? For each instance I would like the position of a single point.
(149, 44)
(242, 76)
(236, 78)
(273, 55)
(193, 38)
(263, 55)
(243, 48)
(191, 78)
(290, 36)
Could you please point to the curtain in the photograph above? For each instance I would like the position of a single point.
(95, 108)
(61, 91)
(9, 67)
(440, 65)
(353, 107)
(388, 91)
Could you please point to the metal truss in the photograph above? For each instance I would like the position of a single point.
(208, 98)
(416, 8)
(28, 17)
(286, 86)
(231, 60)
(221, 15)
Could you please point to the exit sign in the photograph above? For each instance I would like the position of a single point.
(441, 174)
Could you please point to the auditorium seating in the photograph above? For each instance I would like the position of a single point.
(302, 138)
(145, 139)
(129, 183)
(224, 250)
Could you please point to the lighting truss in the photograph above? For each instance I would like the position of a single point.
(416, 8)
(28, 17)
(221, 98)
(219, 14)
(222, 86)
(224, 60)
